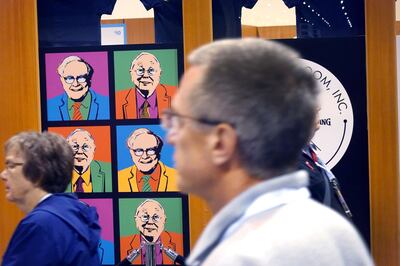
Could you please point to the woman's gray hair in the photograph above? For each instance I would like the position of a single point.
(48, 159)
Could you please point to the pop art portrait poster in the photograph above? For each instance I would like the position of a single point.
(145, 82)
(95, 76)
(77, 76)
(92, 156)
(142, 150)
(155, 220)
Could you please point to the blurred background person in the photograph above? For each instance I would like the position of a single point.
(323, 184)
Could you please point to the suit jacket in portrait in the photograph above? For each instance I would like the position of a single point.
(106, 252)
(125, 101)
(57, 107)
(127, 179)
(170, 240)
(100, 175)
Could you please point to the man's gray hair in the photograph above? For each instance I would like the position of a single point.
(72, 58)
(142, 54)
(140, 131)
(147, 201)
(79, 130)
(262, 90)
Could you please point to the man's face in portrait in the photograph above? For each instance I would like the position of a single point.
(150, 220)
(84, 147)
(75, 80)
(145, 153)
(146, 74)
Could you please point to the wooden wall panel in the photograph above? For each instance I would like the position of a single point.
(249, 31)
(112, 21)
(197, 29)
(397, 27)
(277, 32)
(19, 88)
(140, 30)
(382, 127)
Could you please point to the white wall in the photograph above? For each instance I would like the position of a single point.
(264, 13)
(269, 13)
(129, 9)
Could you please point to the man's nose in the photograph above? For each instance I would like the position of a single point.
(171, 135)
(78, 151)
(2, 175)
(146, 75)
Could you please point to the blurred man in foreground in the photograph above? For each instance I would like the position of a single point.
(58, 228)
(243, 113)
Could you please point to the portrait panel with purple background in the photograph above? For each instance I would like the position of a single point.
(104, 208)
(58, 96)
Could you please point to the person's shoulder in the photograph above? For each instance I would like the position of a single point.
(306, 230)
(297, 221)
(96, 95)
(43, 218)
(56, 99)
(124, 92)
(166, 167)
(167, 89)
(127, 171)
(312, 214)
(125, 95)
(171, 235)
(96, 165)
(60, 204)
(311, 222)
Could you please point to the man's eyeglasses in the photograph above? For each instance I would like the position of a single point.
(79, 79)
(171, 119)
(146, 217)
(149, 151)
(141, 71)
(85, 147)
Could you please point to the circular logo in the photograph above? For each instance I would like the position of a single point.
(336, 118)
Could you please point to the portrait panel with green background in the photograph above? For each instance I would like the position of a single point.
(168, 59)
(127, 211)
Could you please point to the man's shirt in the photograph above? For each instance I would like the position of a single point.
(87, 183)
(154, 179)
(152, 101)
(84, 108)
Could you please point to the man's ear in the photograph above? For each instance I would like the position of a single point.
(223, 144)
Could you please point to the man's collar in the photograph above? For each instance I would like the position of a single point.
(85, 176)
(236, 208)
(85, 102)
